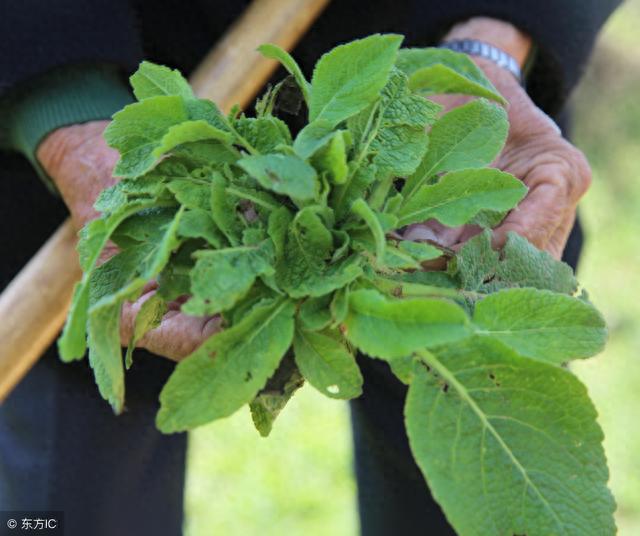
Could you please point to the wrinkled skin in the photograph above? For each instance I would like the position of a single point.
(556, 173)
(81, 164)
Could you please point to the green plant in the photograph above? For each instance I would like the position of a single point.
(296, 243)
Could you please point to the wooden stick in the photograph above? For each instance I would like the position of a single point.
(34, 305)
(233, 71)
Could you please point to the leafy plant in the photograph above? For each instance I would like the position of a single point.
(297, 243)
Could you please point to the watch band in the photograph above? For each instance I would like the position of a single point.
(487, 51)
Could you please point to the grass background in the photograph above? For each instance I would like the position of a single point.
(299, 481)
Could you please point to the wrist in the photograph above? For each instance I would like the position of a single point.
(80, 164)
(64, 142)
(67, 95)
(500, 34)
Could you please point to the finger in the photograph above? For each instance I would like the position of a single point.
(433, 231)
(180, 335)
(109, 250)
(536, 218)
(129, 313)
(559, 239)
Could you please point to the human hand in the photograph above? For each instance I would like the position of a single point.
(556, 173)
(80, 163)
(178, 334)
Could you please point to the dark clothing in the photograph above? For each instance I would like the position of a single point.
(38, 36)
(60, 447)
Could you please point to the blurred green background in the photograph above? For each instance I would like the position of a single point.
(299, 481)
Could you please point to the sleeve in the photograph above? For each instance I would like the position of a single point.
(564, 32)
(64, 64)
(40, 36)
(64, 96)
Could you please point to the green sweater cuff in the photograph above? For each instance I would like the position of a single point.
(63, 97)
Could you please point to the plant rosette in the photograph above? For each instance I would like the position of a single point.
(294, 242)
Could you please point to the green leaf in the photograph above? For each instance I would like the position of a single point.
(151, 80)
(117, 273)
(401, 140)
(208, 111)
(159, 253)
(228, 370)
(350, 77)
(396, 259)
(489, 219)
(223, 210)
(145, 226)
(274, 52)
(362, 209)
(188, 132)
(541, 324)
(273, 397)
(174, 280)
(222, 276)
(460, 195)
(149, 259)
(525, 265)
(325, 363)
(138, 129)
(149, 317)
(438, 70)
(199, 224)
(420, 251)
(440, 279)
(200, 154)
(508, 445)
(103, 320)
(266, 134)
(314, 313)
(323, 281)
(475, 263)
(343, 195)
(478, 268)
(403, 368)
(342, 241)
(93, 238)
(408, 289)
(308, 246)
(388, 328)
(278, 224)
(259, 198)
(469, 136)
(283, 174)
(332, 158)
(192, 195)
(313, 137)
(105, 353)
(339, 306)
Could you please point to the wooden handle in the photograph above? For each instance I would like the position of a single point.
(233, 71)
(34, 305)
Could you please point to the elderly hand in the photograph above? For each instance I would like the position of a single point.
(556, 173)
(81, 164)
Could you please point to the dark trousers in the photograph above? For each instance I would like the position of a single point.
(61, 448)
